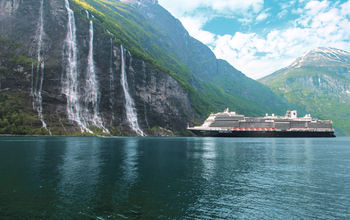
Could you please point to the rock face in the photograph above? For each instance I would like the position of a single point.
(72, 54)
(9, 7)
(319, 82)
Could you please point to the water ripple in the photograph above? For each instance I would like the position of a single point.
(174, 178)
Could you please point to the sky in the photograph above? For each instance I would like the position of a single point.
(259, 37)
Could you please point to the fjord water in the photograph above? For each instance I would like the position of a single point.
(174, 178)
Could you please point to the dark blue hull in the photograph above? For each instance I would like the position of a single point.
(205, 133)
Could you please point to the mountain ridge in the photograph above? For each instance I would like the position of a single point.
(324, 55)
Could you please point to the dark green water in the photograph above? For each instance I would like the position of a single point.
(174, 178)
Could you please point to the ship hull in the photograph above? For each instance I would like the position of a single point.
(206, 133)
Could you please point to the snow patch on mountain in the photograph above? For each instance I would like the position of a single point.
(322, 56)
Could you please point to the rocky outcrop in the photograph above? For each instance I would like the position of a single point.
(9, 7)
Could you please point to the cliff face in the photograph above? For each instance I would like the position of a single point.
(318, 82)
(81, 78)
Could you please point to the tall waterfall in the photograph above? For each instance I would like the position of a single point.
(32, 91)
(131, 114)
(70, 82)
(37, 84)
(91, 86)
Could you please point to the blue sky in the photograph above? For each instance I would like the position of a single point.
(259, 37)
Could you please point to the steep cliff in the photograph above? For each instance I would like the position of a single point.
(319, 82)
(80, 78)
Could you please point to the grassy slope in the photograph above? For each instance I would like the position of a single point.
(324, 105)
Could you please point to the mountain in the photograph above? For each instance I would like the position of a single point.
(319, 82)
(124, 68)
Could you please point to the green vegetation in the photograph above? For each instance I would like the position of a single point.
(11, 59)
(14, 117)
(13, 120)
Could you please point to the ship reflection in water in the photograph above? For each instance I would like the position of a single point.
(174, 178)
(230, 124)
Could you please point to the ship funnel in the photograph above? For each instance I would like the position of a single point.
(292, 114)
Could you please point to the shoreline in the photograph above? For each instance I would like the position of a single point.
(100, 136)
(15, 135)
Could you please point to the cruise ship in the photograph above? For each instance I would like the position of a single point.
(231, 124)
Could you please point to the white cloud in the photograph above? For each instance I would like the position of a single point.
(194, 27)
(345, 9)
(257, 56)
(285, 5)
(262, 16)
(233, 5)
(315, 7)
(283, 13)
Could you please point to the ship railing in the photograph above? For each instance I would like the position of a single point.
(208, 128)
(231, 129)
(313, 129)
(254, 129)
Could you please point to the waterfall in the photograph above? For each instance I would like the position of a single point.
(39, 79)
(111, 76)
(131, 114)
(91, 87)
(32, 91)
(70, 83)
(40, 98)
(87, 14)
(88, 113)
